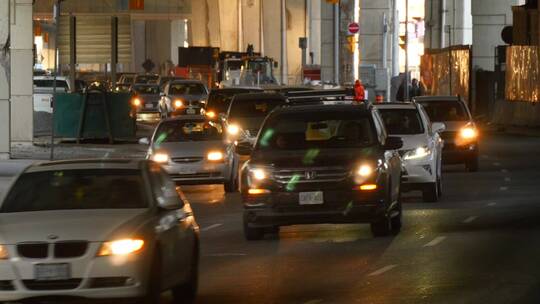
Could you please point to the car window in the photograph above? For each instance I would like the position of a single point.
(446, 110)
(162, 185)
(186, 89)
(402, 121)
(76, 189)
(253, 107)
(299, 131)
(186, 130)
(49, 83)
(425, 118)
(146, 89)
(379, 126)
(220, 101)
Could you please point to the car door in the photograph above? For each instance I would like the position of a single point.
(436, 142)
(173, 231)
(392, 157)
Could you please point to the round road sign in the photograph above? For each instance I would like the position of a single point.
(354, 28)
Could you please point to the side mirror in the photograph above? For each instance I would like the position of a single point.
(169, 198)
(438, 127)
(244, 148)
(144, 141)
(393, 143)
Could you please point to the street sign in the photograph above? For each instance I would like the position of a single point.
(354, 28)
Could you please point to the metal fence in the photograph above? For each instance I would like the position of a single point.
(523, 73)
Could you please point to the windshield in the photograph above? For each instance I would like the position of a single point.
(402, 121)
(253, 107)
(146, 79)
(446, 110)
(187, 89)
(184, 130)
(76, 189)
(233, 65)
(150, 90)
(219, 101)
(300, 131)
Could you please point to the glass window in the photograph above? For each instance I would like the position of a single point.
(446, 110)
(150, 90)
(299, 131)
(76, 189)
(254, 108)
(219, 101)
(402, 121)
(186, 89)
(146, 79)
(185, 130)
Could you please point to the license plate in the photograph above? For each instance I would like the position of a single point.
(149, 106)
(191, 111)
(52, 272)
(47, 100)
(187, 171)
(311, 198)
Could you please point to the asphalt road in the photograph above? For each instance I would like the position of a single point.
(479, 244)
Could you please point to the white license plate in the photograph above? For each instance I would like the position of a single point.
(47, 100)
(149, 106)
(187, 171)
(52, 272)
(191, 111)
(311, 198)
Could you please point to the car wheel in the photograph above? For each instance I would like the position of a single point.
(253, 233)
(430, 193)
(153, 290)
(231, 186)
(382, 227)
(472, 165)
(187, 292)
(397, 222)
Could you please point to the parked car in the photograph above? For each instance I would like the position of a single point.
(461, 137)
(146, 101)
(321, 164)
(220, 99)
(183, 97)
(422, 147)
(247, 112)
(194, 150)
(97, 230)
(44, 87)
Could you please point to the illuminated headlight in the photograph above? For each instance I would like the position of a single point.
(160, 157)
(211, 114)
(121, 247)
(258, 174)
(215, 156)
(3, 253)
(468, 133)
(136, 102)
(363, 173)
(233, 130)
(417, 153)
(178, 103)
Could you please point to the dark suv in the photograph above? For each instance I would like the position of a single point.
(320, 164)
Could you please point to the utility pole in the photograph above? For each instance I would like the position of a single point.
(56, 15)
(406, 82)
(336, 42)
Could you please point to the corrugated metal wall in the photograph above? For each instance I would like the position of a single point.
(523, 73)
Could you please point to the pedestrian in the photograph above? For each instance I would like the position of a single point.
(416, 89)
(359, 91)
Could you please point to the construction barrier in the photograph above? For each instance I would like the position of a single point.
(523, 73)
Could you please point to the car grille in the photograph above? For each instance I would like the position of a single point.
(311, 175)
(52, 285)
(184, 160)
(6, 286)
(62, 250)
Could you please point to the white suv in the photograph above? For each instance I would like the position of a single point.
(422, 147)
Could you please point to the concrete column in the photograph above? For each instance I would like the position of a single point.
(4, 80)
(456, 17)
(199, 23)
(314, 31)
(489, 18)
(271, 31)
(179, 36)
(22, 109)
(251, 23)
(327, 42)
(227, 17)
(296, 28)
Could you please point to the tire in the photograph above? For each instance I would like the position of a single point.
(472, 165)
(430, 193)
(253, 233)
(397, 223)
(186, 293)
(382, 227)
(231, 186)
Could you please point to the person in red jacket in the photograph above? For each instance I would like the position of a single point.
(359, 92)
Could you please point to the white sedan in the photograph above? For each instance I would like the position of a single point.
(97, 229)
(422, 147)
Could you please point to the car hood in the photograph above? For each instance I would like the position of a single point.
(190, 148)
(411, 142)
(314, 158)
(65, 225)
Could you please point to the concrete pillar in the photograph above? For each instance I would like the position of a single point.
(199, 23)
(489, 18)
(456, 17)
(271, 31)
(251, 24)
(22, 109)
(179, 35)
(327, 42)
(314, 31)
(4, 80)
(296, 28)
(227, 25)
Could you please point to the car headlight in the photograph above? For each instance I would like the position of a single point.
(211, 114)
(3, 253)
(121, 247)
(215, 156)
(363, 173)
(259, 174)
(136, 102)
(417, 153)
(468, 133)
(233, 129)
(178, 103)
(160, 158)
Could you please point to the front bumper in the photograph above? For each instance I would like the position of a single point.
(203, 172)
(187, 111)
(453, 154)
(126, 277)
(340, 206)
(149, 116)
(419, 171)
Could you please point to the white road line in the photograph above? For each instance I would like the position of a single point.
(503, 188)
(211, 227)
(491, 204)
(507, 179)
(225, 254)
(382, 270)
(436, 241)
(470, 219)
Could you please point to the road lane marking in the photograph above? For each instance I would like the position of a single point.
(225, 255)
(382, 270)
(491, 204)
(436, 241)
(503, 188)
(507, 179)
(211, 227)
(470, 219)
